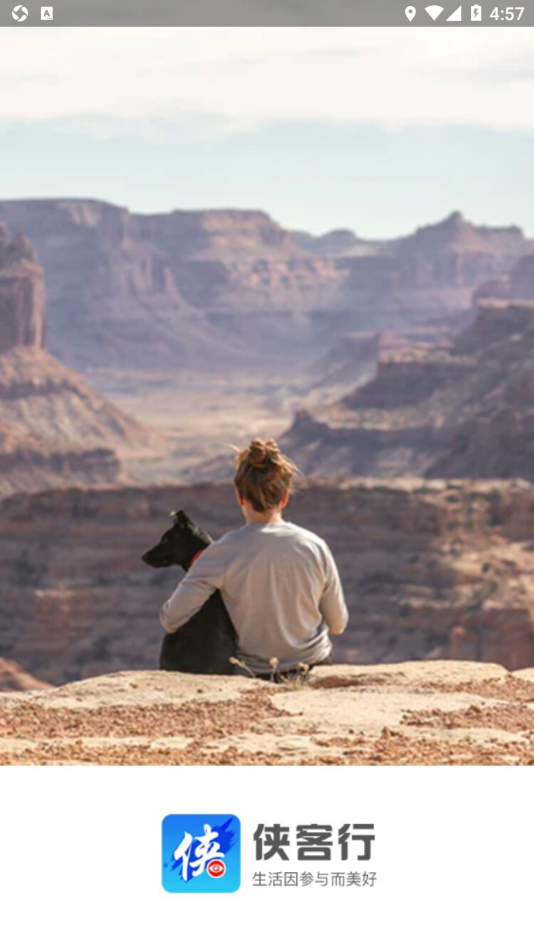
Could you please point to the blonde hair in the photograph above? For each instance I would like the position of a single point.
(263, 475)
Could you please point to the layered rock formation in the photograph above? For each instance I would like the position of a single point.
(460, 409)
(21, 293)
(202, 289)
(516, 285)
(29, 462)
(41, 395)
(352, 357)
(403, 714)
(430, 569)
(54, 430)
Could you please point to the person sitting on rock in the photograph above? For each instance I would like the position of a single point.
(279, 582)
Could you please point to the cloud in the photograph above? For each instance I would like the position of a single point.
(245, 79)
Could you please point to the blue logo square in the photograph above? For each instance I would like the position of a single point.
(201, 854)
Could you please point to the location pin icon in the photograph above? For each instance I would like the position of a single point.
(410, 13)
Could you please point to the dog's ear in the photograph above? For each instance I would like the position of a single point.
(180, 518)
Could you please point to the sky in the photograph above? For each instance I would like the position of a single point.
(377, 130)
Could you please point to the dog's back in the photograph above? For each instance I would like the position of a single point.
(208, 640)
(204, 644)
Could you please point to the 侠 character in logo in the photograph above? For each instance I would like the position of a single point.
(201, 853)
(196, 852)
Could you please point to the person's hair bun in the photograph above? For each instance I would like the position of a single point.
(263, 474)
(262, 454)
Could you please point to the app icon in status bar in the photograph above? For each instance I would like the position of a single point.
(47, 13)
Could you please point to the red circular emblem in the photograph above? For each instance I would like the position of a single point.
(216, 868)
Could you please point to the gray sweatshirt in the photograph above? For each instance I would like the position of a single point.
(281, 587)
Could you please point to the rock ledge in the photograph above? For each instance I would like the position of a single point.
(415, 713)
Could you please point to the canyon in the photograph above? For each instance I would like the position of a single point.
(164, 293)
(209, 327)
(408, 365)
(431, 570)
(458, 409)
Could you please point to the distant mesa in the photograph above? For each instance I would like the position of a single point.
(233, 288)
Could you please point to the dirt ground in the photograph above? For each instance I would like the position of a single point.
(427, 713)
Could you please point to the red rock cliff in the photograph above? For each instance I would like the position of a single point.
(21, 294)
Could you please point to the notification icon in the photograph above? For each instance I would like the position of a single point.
(410, 13)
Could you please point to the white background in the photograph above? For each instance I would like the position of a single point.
(80, 857)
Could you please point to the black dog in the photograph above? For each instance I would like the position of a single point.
(207, 641)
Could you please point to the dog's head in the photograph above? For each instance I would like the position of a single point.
(179, 544)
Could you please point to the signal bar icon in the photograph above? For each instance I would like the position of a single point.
(456, 16)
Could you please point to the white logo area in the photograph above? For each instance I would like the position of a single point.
(47, 13)
(20, 13)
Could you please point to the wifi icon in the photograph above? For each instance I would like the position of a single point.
(434, 11)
